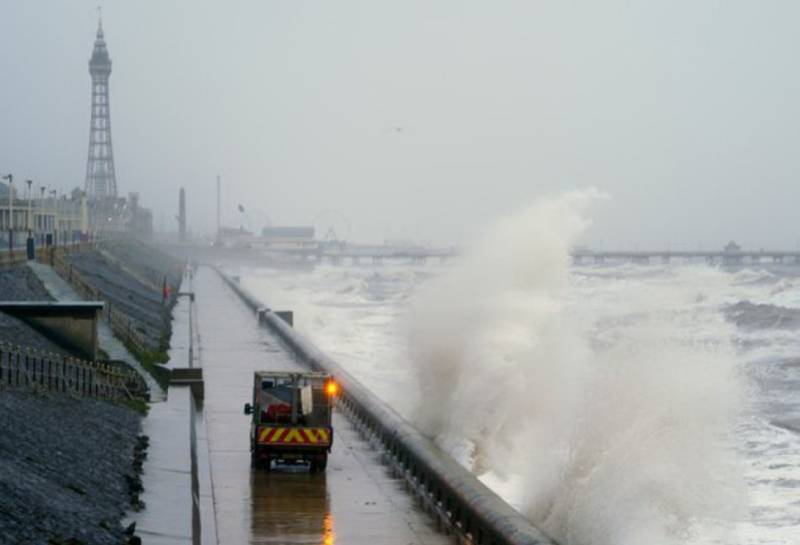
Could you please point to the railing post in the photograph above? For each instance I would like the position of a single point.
(75, 387)
(60, 376)
(27, 370)
(16, 369)
(67, 378)
(3, 366)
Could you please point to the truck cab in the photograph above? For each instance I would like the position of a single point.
(291, 419)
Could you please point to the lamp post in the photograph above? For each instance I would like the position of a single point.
(29, 223)
(10, 178)
(53, 194)
(29, 243)
(44, 214)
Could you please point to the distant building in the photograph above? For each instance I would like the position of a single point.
(234, 237)
(288, 238)
(732, 248)
(234, 232)
(47, 217)
(140, 219)
(288, 233)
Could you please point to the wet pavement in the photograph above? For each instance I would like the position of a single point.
(356, 501)
(167, 478)
(178, 351)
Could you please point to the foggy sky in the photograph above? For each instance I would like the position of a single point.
(424, 119)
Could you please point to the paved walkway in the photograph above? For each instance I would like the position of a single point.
(356, 501)
(62, 291)
(167, 476)
(179, 343)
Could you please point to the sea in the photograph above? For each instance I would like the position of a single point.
(610, 403)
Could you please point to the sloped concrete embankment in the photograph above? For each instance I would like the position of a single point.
(68, 465)
(129, 277)
(126, 279)
(113, 347)
(67, 468)
(20, 284)
(146, 262)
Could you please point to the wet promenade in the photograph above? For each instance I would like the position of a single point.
(355, 502)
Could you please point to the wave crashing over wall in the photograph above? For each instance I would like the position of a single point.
(616, 439)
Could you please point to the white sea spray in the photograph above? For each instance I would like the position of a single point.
(618, 438)
(653, 340)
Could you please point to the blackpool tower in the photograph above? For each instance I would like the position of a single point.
(101, 181)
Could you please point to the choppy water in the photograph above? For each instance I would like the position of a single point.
(359, 315)
(613, 405)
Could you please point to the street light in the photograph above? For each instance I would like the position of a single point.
(53, 194)
(29, 246)
(44, 215)
(30, 207)
(10, 178)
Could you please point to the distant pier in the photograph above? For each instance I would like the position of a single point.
(732, 255)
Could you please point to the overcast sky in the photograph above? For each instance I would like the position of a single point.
(424, 119)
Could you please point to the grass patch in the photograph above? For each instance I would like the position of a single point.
(139, 405)
(151, 362)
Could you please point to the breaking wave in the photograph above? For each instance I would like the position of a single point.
(621, 433)
(749, 315)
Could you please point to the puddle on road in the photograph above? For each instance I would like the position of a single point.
(290, 505)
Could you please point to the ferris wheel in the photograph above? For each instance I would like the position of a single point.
(331, 226)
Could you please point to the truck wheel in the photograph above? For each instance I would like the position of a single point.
(257, 462)
(319, 464)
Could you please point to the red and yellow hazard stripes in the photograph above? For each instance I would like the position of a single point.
(313, 437)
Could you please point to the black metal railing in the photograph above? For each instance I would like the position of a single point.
(49, 372)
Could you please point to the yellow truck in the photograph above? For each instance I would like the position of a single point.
(291, 419)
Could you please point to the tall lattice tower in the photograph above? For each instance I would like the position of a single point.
(101, 181)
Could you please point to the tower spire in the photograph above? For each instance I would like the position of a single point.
(101, 182)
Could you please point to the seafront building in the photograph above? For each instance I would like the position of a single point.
(31, 211)
(47, 218)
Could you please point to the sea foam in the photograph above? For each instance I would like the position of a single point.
(619, 433)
